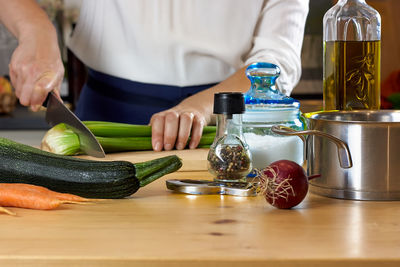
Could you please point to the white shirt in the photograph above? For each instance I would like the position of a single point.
(190, 42)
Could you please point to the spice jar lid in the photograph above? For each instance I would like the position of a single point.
(229, 103)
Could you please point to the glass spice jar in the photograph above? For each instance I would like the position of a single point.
(229, 158)
(265, 107)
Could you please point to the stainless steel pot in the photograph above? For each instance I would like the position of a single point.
(367, 143)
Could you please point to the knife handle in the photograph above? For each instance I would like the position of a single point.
(46, 100)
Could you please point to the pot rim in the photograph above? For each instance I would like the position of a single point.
(391, 117)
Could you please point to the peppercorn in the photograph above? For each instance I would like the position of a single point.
(229, 162)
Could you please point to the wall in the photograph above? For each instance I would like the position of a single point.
(389, 11)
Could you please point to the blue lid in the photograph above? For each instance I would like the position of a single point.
(263, 89)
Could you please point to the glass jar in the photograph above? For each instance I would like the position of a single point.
(352, 56)
(267, 106)
(229, 159)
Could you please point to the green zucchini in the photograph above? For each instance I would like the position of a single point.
(20, 163)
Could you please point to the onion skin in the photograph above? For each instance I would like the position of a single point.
(284, 184)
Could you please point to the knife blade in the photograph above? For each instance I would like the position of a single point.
(57, 113)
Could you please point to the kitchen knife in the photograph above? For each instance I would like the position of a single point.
(57, 113)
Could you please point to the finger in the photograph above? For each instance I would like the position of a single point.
(18, 76)
(185, 126)
(170, 129)
(47, 82)
(14, 80)
(57, 92)
(23, 80)
(12, 73)
(28, 82)
(197, 130)
(157, 131)
(25, 93)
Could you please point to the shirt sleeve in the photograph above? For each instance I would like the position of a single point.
(278, 39)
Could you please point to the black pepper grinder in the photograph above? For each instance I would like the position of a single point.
(229, 158)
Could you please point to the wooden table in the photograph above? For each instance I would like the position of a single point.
(156, 227)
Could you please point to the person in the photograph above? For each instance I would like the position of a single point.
(157, 61)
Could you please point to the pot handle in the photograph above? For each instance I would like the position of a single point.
(342, 148)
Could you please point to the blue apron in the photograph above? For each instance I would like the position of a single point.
(108, 98)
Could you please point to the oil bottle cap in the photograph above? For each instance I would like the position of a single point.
(229, 103)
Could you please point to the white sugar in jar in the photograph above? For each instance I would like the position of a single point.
(266, 146)
(266, 149)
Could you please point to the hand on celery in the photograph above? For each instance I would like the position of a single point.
(173, 127)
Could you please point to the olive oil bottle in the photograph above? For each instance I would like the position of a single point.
(352, 57)
(352, 78)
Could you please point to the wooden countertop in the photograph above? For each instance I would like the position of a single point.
(156, 227)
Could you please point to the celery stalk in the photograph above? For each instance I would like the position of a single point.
(118, 144)
(113, 137)
(116, 129)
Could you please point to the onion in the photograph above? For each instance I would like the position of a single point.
(284, 184)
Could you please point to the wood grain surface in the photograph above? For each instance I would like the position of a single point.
(156, 227)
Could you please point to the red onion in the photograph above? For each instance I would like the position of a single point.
(284, 184)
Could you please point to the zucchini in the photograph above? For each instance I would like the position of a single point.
(20, 163)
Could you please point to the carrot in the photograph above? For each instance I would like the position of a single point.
(44, 190)
(30, 196)
(12, 197)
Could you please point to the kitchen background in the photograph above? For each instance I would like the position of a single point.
(64, 14)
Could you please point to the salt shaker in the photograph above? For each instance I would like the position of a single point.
(229, 158)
